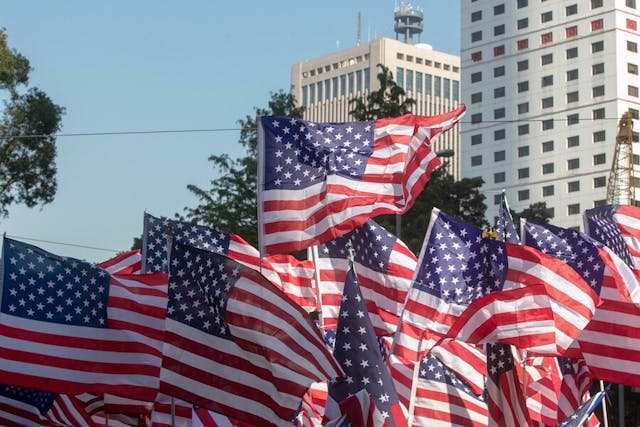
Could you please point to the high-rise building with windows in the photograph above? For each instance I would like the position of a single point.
(326, 86)
(546, 83)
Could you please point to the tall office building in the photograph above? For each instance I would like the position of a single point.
(546, 83)
(325, 86)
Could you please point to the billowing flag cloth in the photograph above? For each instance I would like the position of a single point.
(68, 326)
(575, 384)
(443, 398)
(164, 406)
(317, 181)
(129, 262)
(608, 344)
(505, 227)
(481, 290)
(236, 344)
(356, 348)
(384, 267)
(584, 411)
(504, 391)
(297, 278)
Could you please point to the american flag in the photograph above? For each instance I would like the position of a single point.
(67, 326)
(164, 406)
(384, 267)
(504, 392)
(505, 227)
(607, 343)
(297, 278)
(129, 262)
(585, 410)
(235, 344)
(443, 398)
(357, 350)
(574, 388)
(317, 181)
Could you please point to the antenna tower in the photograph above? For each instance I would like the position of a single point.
(621, 177)
(359, 30)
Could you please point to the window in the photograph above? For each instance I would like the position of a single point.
(418, 82)
(476, 118)
(522, 44)
(598, 203)
(523, 108)
(476, 97)
(548, 190)
(634, 113)
(598, 114)
(523, 151)
(630, 3)
(597, 68)
(498, 177)
(499, 156)
(523, 23)
(571, 10)
(632, 68)
(523, 86)
(476, 77)
(499, 134)
(546, 17)
(547, 102)
(632, 90)
(476, 36)
(597, 46)
(546, 59)
(572, 53)
(497, 199)
(498, 10)
(573, 164)
(523, 65)
(573, 141)
(522, 3)
(476, 16)
(599, 181)
(523, 173)
(498, 50)
(476, 139)
(498, 30)
(596, 4)
(427, 84)
(476, 160)
(597, 91)
(572, 75)
(573, 97)
(632, 24)
(599, 136)
(571, 31)
(498, 71)
(455, 90)
(476, 56)
(573, 209)
(632, 46)
(523, 194)
(547, 81)
(597, 25)
(547, 168)
(523, 129)
(547, 146)
(573, 186)
(546, 38)
(573, 119)
(499, 113)
(599, 159)
(498, 92)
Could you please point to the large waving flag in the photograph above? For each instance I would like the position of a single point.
(236, 344)
(317, 181)
(67, 326)
(366, 373)
(384, 267)
(129, 262)
(505, 397)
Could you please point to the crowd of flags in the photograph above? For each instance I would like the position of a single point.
(199, 328)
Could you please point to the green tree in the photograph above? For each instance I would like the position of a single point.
(27, 163)
(230, 203)
(388, 101)
(536, 212)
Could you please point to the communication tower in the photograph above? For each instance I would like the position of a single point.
(408, 22)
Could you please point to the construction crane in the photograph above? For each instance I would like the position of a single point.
(620, 187)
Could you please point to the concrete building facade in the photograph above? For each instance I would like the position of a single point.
(546, 83)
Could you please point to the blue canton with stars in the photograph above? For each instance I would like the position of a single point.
(432, 369)
(585, 410)
(200, 283)
(356, 349)
(603, 227)
(42, 286)
(372, 244)
(157, 231)
(458, 265)
(499, 360)
(42, 400)
(574, 248)
(298, 153)
(504, 223)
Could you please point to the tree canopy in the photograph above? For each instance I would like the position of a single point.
(28, 125)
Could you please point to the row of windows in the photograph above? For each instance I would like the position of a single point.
(545, 17)
(336, 65)
(547, 168)
(350, 83)
(550, 190)
(572, 209)
(427, 62)
(418, 82)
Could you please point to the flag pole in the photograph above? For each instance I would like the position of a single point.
(313, 250)
(604, 407)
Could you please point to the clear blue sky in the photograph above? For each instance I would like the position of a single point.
(147, 65)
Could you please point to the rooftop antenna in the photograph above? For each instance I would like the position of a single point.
(359, 30)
